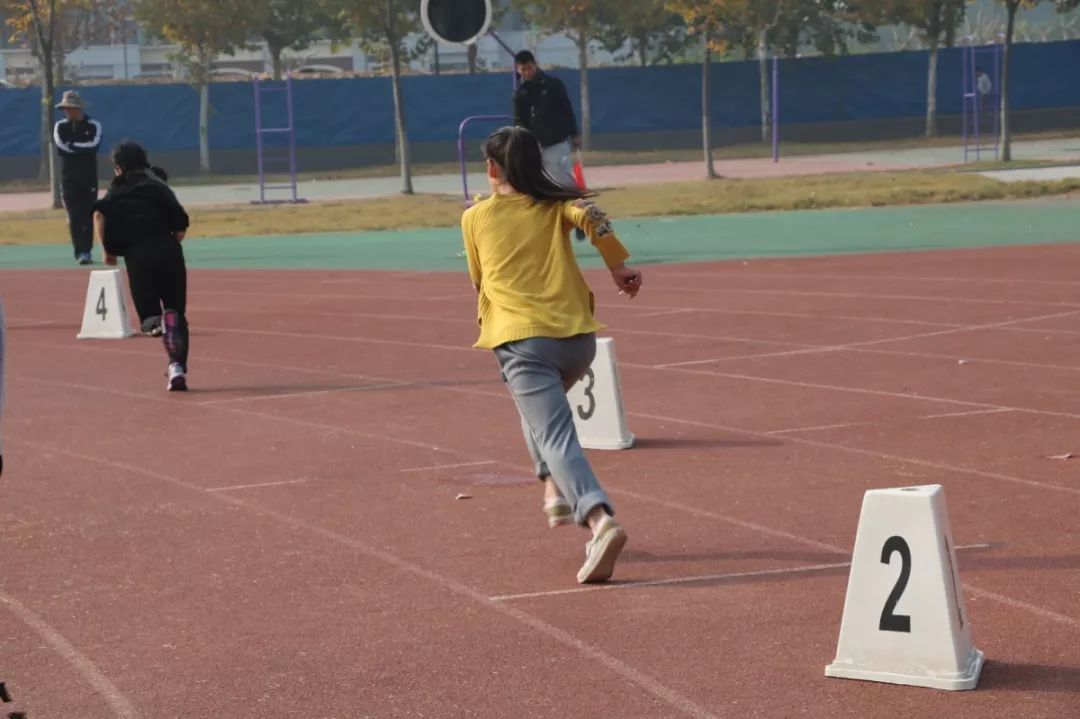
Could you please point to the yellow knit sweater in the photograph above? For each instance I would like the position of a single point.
(524, 269)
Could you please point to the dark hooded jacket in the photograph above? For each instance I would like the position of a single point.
(140, 208)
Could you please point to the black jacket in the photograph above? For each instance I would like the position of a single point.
(77, 143)
(542, 105)
(140, 209)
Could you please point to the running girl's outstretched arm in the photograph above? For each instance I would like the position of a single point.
(178, 216)
(591, 219)
(175, 214)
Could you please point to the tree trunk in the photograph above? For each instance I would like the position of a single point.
(1006, 131)
(931, 89)
(586, 109)
(643, 48)
(46, 43)
(54, 181)
(49, 169)
(472, 50)
(706, 109)
(275, 61)
(54, 177)
(763, 74)
(399, 119)
(46, 121)
(204, 122)
(59, 57)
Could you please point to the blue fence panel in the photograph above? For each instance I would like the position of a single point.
(359, 111)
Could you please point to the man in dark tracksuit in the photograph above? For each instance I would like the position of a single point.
(542, 105)
(78, 139)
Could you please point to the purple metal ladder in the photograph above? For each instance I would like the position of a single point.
(461, 147)
(982, 110)
(481, 118)
(776, 108)
(261, 135)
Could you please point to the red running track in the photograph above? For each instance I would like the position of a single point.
(284, 540)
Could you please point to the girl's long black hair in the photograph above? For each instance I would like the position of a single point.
(518, 153)
(131, 158)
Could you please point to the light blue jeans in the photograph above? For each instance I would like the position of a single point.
(538, 372)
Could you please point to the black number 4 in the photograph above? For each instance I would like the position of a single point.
(891, 622)
(586, 414)
(102, 310)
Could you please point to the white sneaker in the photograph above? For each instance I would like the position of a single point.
(177, 378)
(601, 552)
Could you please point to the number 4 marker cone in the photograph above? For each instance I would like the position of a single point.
(105, 314)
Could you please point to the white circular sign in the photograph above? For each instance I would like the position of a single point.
(456, 21)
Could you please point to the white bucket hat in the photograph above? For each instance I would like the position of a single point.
(71, 99)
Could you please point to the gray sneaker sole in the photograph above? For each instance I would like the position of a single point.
(601, 565)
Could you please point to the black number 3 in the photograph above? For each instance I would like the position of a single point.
(586, 414)
(896, 622)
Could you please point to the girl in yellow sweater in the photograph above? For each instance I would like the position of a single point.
(536, 312)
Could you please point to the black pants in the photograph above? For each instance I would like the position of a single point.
(79, 202)
(157, 275)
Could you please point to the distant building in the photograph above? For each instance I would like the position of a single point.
(112, 46)
(110, 49)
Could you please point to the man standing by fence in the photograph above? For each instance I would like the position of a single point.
(78, 139)
(542, 105)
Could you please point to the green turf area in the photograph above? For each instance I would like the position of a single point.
(660, 240)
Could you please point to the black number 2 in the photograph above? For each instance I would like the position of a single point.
(896, 622)
(102, 310)
(586, 414)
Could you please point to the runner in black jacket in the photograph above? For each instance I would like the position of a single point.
(77, 140)
(141, 220)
